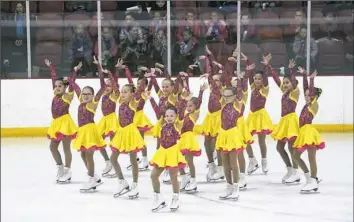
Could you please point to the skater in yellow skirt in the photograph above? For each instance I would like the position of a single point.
(168, 156)
(108, 124)
(309, 139)
(62, 127)
(288, 127)
(127, 139)
(188, 143)
(230, 142)
(88, 138)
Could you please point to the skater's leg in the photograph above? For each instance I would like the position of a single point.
(116, 166)
(262, 145)
(83, 157)
(104, 154)
(208, 148)
(144, 151)
(219, 158)
(291, 151)
(67, 151)
(182, 171)
(189, 159)
(174, 179)
(312, 159)
(90, 163)
(300, 162)
(157, 143)
(283, 154)
(155, 174)
(249, 151)
(241, 162)
(227, 166)
(55, 152)
(234, 166)
(135, 168)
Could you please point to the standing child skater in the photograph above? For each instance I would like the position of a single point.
(258, 120)
(62, 127)
(127, 139)
(288, 127)
(230, 142)
(168, 156)
(309, 139)
(88, 138)
(140, 119)
(108, 124)
(188, 143)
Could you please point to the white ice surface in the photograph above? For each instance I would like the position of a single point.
(29, 192)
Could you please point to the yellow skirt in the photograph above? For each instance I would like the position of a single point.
(308, 137)
(247, 137)
(61, 127)
(230, 140)
(142, 121)
(88, 138)
(259, 122)
(108, 125)
(156, 130)
(211, 124)
(287, 128)
(168, 158)
(127, 139)
(189, 144)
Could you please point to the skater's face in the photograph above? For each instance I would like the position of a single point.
(108, 86)
(87, 95)
(167, 86)
(287, 84)
(170, 116)
(139, 82)
(217, 80)
(60, 88)
(258, 80)
(229, 96)
(191, 106)
(127, 94)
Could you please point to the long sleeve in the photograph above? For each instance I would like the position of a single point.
(128, 75)
(155, 84)
(274, 74)
(53, 75)
(155, 107)
(305, 82)
(100, 74)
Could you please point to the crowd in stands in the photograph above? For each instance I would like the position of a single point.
(67, 32)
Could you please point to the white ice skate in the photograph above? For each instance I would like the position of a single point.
(235, 192)
(294, 177)
(211, 171)
(219, 175)
(129, 167)
(242, 183)
(166, 177)
(186, 169)
(144, 164)
(191, 186)
(252, 166)
(158, 202)
(98, 180)
(123, 188)
(111, 175)
(134, 191)
(66, 178)
(227, 192)
(264, 165)
(175, 202)
(107, 168)
(288, 174)
(311, 186)
(184, 182)
(60, 171)
(89, 186)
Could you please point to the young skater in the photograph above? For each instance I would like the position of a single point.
(230, 142)
(108, 124)
(188, 143)
(309, 139)
(258, 120)
(288, 127)
(62, 128)
(88, 138)
(168, 156)
(127, 139)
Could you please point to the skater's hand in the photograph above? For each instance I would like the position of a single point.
(78, 67)
(250, 67)
(301, 70)
(314, 74)
(204, 87)
(95, 60)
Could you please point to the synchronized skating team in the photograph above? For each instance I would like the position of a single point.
(225, 130)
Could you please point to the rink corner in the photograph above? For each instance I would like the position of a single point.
(42, 131)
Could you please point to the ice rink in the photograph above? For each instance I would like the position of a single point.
(29, 192)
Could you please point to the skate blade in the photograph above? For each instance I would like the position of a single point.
(132, 197)
(143, 169)
(166, 181)
(229, 198)
(221, 178)
(174, 209)
(244, 187)
(254, 170)
(129, 167)
(91, 190)
(191, 191)
(292, 183)
(105, 174)
(314, 191)
(161, 206)
(64, 182)
(126, 190)
(110, 176)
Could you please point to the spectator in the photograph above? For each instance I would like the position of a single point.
(74, 6)
(159, 6)
(216, 28)
(158, 22)
(299, 48)
(189, 23)
(248, 30)
(159, 49)
(109, 49)
(81, 49)
(185, 51)
(293, 28)
(329, 28)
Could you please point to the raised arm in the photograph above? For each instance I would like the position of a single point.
(53, 74)
(100, 73)
(292, 72)
(305, 82)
